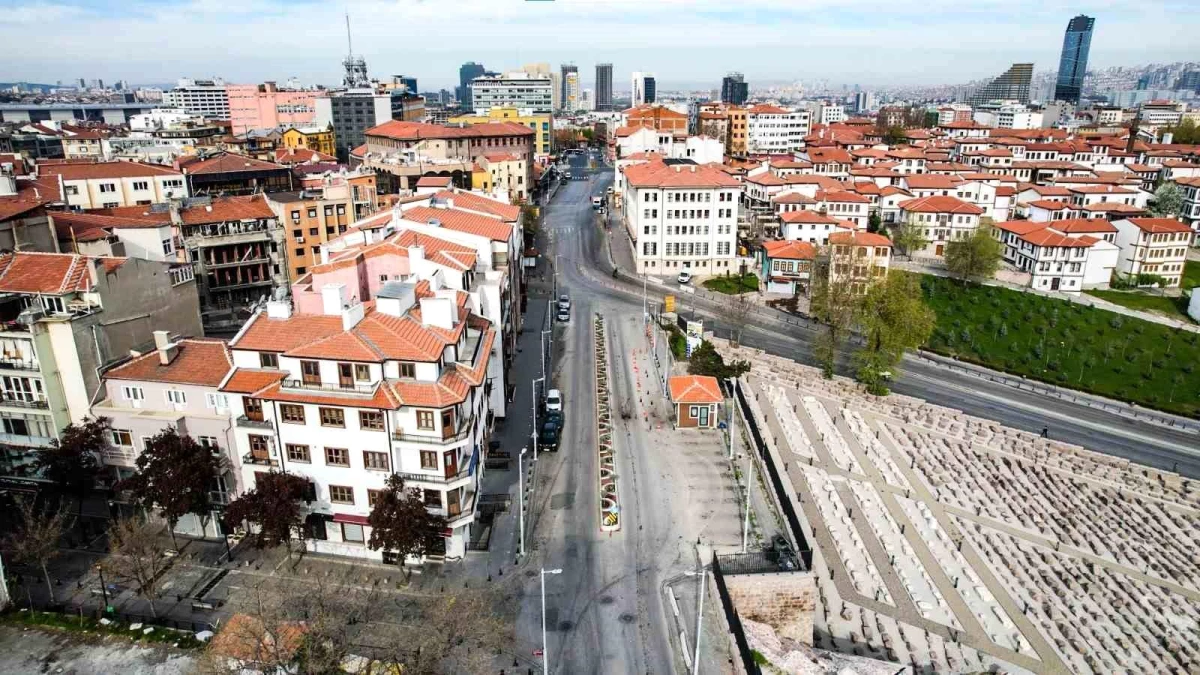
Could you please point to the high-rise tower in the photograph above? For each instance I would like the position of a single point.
(1072, 65)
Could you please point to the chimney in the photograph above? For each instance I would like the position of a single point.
(415, 254)
(333, 299)
(167, 350)
(438, 312)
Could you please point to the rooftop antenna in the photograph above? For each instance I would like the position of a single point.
(349, 42)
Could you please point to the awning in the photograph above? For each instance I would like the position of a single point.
(350, 518)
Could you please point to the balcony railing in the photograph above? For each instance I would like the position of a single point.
(250, 458)
(464, 472)
(22, 402)
(248, 423)
(355, 388)
(20, 364)
(433, 438)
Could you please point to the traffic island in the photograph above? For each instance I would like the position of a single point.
(610, 508)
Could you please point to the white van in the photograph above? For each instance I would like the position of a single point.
(596, 202)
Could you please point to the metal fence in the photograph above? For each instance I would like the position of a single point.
(734, 621)
(804, 549)
(763, 562)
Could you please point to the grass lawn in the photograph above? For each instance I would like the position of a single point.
(1191, 274)
(1175, 308)
(732, 284)
(1067, 344)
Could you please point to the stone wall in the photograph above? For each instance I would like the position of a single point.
(783, 600)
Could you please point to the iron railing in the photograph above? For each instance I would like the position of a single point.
(464, 431)
(246, 422)
(354, 388)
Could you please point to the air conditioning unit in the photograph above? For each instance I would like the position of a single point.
(299, 240)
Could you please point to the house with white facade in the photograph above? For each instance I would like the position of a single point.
(1191, 201)
(349, 397)
(97, 185)
(813, 227)
(943, 219)
(851, 207)
(786, 266)
(773, 130)
(681, 217)
(1153, 246)
(1067, 255)
(858, 258)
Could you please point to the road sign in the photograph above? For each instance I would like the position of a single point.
(669, 304)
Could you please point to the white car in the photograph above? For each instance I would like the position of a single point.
(684, 277)
(564, 303)
(554, 401)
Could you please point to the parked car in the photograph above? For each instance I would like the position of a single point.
(563, 315)
(564, 302)
(554, 400)
(684, 277)
(548, 437)
(555, 416)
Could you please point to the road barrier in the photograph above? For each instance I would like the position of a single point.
(610, 507)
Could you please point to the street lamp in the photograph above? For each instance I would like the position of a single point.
(545, 658)
(521, 497)
(699, 616)
(103, 587)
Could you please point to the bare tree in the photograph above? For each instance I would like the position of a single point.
(35, 540)
(343, 623)
(738, 308)
(138, 554)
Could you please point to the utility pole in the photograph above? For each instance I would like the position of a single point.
(749, 486)
(699, 620)
(521, 510)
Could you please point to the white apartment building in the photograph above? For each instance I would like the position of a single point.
(831, 114)
(1007, 115)
(516, 89)
(641, 88)
(207, 98)
(859, 258)
(107, 185)
(699, 149)
(346, 398)
(681, 217)
(1153, 246)
(774, 130)
(813, 226)
(1191, 201)
(944, 219)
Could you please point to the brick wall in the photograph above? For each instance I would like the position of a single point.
(783, 600)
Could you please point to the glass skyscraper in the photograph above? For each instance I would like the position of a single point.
(1072, 65)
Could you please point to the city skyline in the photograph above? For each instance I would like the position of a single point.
(255, 50)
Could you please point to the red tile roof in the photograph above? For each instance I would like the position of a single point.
(829, 156)
(416, 131)
(932, 181)
(1048, 237)
(808, 217)
(841, 196)
(940, 204)
(85, 226)
(765, 109)
(434, 181)
(1049, 205)
(790, 250)
(856, 238)
(1021, 226)
(793, 198)
(48, 273)
(200, 361)
(252, 380)
(27, 199)
(461, 221)
(102, 170)
(301, 155)
(695, 389)
(509, 213)
(1100, 190)
(1159, 225)
(660, 175)
(765, 178)
(1083, 225)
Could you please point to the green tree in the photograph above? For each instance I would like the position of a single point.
(874, 223)
(400, 522)
(1185, 132)
(705, 360)
(1168, 200)
(894, 135)
(174, 475)
(833, 304)
(271, 507)
(72, 462)
(910, 237)
(975, 258)
(893, 319)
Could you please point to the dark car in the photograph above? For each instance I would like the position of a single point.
(548, 437)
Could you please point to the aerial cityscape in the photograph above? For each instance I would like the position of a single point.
(616, 337)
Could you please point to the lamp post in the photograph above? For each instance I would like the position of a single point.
(699, 621)
(545, 658)
(521, 510)
(103, 587)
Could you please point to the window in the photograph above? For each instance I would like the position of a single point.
(291, 413)
(352, 533)
(362, 372)
(429, 459)
(433, 498)
(425, 419)
(108, 187)
(377, 461)
(337, 457)
(312, 213)
(268, 360)
(133, 393)
(141, 185)
(53, 305)
(176, 396)
(168, 246)
(298, 453)
(370, 419)
(216, 401)
(122, 437)
(310, 372)
(341, 494)
(332, 417)
(373, 497)
(16, 425)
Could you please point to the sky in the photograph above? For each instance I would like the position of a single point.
(685, 43)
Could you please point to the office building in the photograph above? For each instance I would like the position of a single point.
(513, 90)
(604, 87)
(266, 106)
(467, 72)
(540, 123)
(207, 98)
(1072, 65)
(734, 89)
(1012, 85)
(352, 112)
(569, 96)
(642, 88)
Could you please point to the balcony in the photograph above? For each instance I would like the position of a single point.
(23, 401)
(432, 438)
(367, 389)
(259, 460)
(20, 364)
(251, 423)
(442, 479)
